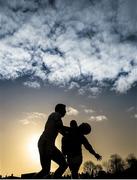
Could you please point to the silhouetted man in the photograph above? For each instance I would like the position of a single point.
(46, 144)
(72, 146)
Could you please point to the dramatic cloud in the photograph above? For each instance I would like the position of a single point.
(81, 44)
(98, 118)
(72, 111)
(33, 118)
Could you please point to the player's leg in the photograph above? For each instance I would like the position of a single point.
(59, 158)
(74, 165)
(45, 160)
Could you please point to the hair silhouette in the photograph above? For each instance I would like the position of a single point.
(85, 128)
(73, 124)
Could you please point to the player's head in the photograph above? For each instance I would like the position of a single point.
(85, 128)
(61, 108)
(73, 123)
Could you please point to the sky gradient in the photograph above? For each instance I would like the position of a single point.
(82, 53)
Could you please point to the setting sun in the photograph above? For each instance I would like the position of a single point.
(32, 148)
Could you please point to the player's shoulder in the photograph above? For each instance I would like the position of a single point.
(55, 115)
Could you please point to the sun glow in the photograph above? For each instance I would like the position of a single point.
(32, 148)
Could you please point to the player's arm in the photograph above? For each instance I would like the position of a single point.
(61, 128)
(89, 147)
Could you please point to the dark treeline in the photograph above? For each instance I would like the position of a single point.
(115, 167)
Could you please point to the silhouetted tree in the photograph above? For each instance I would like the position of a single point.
(131, 171)
(131, 161)
(88, 167)
(116, 164)
(97, 169)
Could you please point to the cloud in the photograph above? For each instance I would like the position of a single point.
(135, 116)
(125, 83)
(33, 118)
(25, 121)
(79, 44)
(72, 111)
(32, 84)
(93, 91)
(73, 85)
(98, 118)
(88, 111)
(131, 109)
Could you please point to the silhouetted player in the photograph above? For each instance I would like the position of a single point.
(46, 144)
(72, 146)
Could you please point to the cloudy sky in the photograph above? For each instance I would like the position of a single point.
(79, 52)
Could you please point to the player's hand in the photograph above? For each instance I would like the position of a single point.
(98, 157)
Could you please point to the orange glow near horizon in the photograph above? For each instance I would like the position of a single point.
(20, 151)
(32, 148)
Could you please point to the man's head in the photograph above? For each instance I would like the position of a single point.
(61, 108)
(85, 128)
(73, 123)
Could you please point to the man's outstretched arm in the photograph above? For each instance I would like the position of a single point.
(88, 146)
